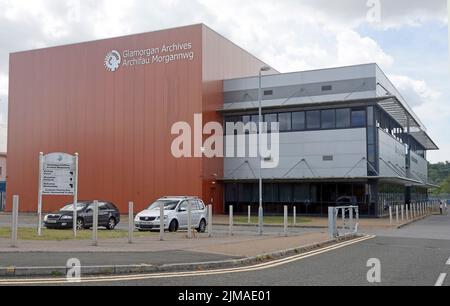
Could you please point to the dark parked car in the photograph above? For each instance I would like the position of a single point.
(346, 201)
(108, 216)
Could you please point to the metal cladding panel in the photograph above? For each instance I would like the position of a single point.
(392, 156)
(222, 60)
(304, 77)
(62, 99)
(347, 148)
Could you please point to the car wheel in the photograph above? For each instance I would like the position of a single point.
(80, 224)
(173, 227)
(111, 224)
(202, 226)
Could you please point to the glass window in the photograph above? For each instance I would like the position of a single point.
(285, 193)
(343, 118)
(269, 119)
(358, 118)
(298, 121)
(267, 193)
(183, 206)
(285, 121)
(255, 119)
(246, 119)
(301, 193)
(245, 193)
(313, 120)
(328, 119)
(230, 193)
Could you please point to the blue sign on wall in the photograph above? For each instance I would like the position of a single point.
(2, 186)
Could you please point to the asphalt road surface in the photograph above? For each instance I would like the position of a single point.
(411, 258)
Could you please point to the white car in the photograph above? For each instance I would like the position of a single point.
(175, 215)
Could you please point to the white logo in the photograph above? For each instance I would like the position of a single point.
(112, 61)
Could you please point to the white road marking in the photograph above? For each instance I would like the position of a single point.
(441, 280)
(257, 267)
(448, 262)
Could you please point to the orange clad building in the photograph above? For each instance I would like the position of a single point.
(114, 102)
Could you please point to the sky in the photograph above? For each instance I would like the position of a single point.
(407, 38)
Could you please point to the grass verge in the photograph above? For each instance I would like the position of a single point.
(61, 235)
(271, 220)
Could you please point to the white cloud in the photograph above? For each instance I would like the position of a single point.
(416, 92)
(290, 35)
(3, 84)
(354, 49)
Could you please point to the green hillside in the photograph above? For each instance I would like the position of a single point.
(439, 174)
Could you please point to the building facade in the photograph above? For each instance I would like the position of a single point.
(347, 135)
(114, 102)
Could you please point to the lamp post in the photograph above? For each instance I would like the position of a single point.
(260, 121)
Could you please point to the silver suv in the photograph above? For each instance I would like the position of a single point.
(175, 215)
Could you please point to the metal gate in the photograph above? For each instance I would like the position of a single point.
(342, 221)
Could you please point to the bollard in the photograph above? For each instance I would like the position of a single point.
(161, 222)
(403, 212)
(260, 221)
(407, 212)
(390, 215)
(189, 208)
(130, 222)
(210, 221)
(352, 223)
(332, 224)
(285, 220)
(396, 214)
(14, 221)
(231, 220)
(249, 214)
(95, 225)
(413, 210)
(295, 216)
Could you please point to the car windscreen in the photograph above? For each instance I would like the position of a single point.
(168, 205)
(69, 207)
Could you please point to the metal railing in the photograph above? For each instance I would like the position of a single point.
(342, 221)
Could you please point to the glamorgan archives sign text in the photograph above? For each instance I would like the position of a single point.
(165, 54)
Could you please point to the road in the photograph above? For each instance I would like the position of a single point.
(409, 257)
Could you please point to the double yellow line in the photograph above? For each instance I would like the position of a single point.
(257, 267)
